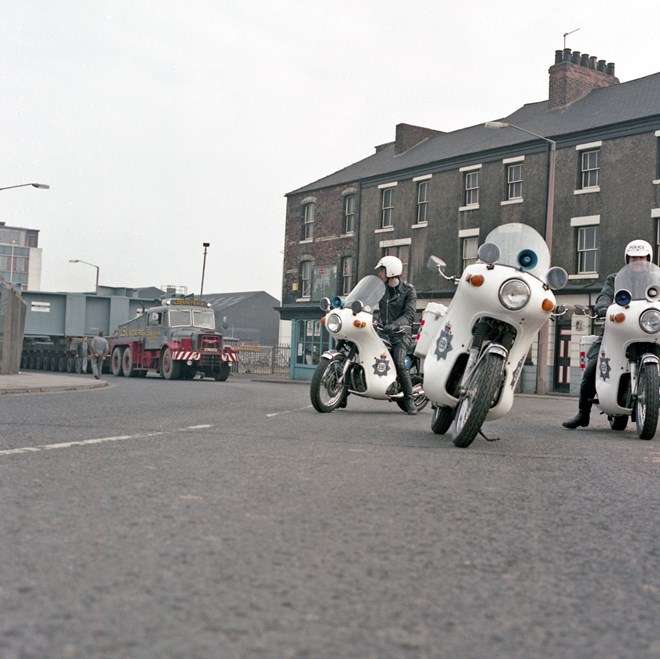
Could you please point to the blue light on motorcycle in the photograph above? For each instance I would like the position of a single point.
(408, 362)
(623, 297)
(527, 259)
(337, 302)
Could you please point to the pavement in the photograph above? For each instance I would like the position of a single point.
(38, 382)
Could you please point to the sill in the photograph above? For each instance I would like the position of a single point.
(508, 202)
(347, 235)
(303, 299)
(588, 190)
(384, 230)
(584, 275)
(419, 225)
(306, 241)
(656, 182)
(470, 207)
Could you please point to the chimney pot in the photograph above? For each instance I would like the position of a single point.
(592, 62)
(584, 60)
(601, 65)
(558, 56)
(567, 54)
(610, 68)
(575, 57)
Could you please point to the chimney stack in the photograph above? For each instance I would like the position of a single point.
(408, 136)
(575, 74)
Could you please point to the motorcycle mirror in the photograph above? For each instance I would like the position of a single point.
(488, 253)
(357, 306)
(556, 278)
(325, 303)
(435, 264)
(652, 293)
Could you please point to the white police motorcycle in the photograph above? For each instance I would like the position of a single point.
(478, 347)
(360, 363)
(628, 368)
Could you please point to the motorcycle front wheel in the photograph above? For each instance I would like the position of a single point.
(648, 399)
(474, 403)
(441, 419)
(327, 391)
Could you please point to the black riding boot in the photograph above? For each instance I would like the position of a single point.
(407, 388)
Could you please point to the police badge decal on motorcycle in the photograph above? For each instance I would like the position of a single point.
(443, 345)
(381, 366)
(604, 368)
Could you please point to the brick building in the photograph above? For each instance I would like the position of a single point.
(430, 192)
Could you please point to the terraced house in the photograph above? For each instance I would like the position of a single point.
(594, 145)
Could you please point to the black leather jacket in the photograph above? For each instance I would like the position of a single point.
(398, 306)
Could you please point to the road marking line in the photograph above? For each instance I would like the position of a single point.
(96, 440)
(299, 409)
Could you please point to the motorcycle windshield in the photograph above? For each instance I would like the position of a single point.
(521, 246)
(368, 290)
(636, 277)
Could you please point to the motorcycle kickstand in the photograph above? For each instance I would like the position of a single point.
(489, 439)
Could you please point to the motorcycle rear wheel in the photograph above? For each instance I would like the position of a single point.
(618, 421)
(648, 399)
(473, 405)
(326, 391)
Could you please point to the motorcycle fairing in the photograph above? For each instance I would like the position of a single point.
(521, 247)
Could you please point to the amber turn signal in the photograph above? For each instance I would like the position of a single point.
(359, 323)
(619, 317)
(322, 321)
(476, 280)
(547, 305)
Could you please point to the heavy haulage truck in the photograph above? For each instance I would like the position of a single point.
(176, 339)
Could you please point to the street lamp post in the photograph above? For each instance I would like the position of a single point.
(41, 186)
(11, 264)
(201, 288)
(93, 266)
(542, 358)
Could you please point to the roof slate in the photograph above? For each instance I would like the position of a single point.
(619, 103)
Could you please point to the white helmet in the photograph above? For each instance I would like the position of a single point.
(392, 264)
(639, 248)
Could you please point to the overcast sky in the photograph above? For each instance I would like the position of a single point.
(161, 124)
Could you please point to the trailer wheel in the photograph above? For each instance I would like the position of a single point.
(127, 363)
(169, 368)
(115, 362)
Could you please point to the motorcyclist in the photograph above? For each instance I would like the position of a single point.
(636, 250)
(396, 314)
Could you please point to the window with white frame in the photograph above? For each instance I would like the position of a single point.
(387, 207)
(470, 246)
(589, 169)
(308, 221)
(514, 181)
(349, 214)
(403, 253)
(305, 283)
(347, 275)
(422, 202)
(471, 188)
(657, 241)
(587, 249)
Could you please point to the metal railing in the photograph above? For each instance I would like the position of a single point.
(263, 360)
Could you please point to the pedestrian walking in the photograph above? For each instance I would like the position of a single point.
(83, 354)
(100, 349)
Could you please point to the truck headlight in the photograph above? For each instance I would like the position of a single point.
(649, 321)
(333, 323)
(514, 294)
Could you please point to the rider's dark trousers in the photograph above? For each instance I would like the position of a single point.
(588, 383)
(399, 352)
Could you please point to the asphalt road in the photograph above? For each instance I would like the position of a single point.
(204, 519)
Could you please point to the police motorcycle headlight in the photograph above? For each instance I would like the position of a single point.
(333, 323)
(514, 294)
(649, 321)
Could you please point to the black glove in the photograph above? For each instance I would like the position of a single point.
(389, 328)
